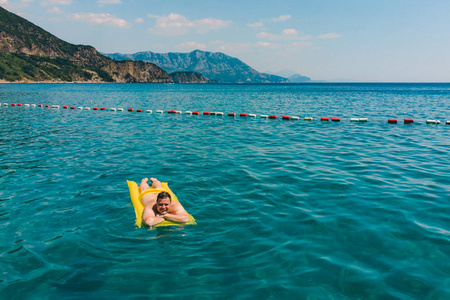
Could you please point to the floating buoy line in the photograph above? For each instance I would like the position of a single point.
(216, 113)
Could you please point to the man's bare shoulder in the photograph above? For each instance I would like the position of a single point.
(178, 208)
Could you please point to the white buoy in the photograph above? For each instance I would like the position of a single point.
(188, 112)
(112, 109)
(363, 119)
(33, 105)
(295, 118)
(178, 111)
(26, 105)
(55, 106)
(149, 111)
(252, 115)
(79, 107)
(5, 104)
(433, 122)
(448, 122)
(264, 116)
(308, 119)
(159, 111)
(87, 108)
(219, 113)
(354, 120)
(120, 109)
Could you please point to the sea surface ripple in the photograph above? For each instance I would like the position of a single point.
(284, 209)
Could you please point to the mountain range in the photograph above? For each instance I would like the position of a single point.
(215, 66)
(292, 76)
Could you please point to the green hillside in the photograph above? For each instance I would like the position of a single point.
(21, 67)
(29, 53)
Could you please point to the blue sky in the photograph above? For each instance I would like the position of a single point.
(357, 40)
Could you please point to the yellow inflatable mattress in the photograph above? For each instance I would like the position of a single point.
(139, 208)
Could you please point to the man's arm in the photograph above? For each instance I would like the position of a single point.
(176, 218)
(180, 215)
(149, 217)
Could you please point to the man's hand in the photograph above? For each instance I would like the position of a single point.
(164, 215)
(184, 218)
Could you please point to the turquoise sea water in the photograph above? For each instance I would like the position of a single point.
(285, 209)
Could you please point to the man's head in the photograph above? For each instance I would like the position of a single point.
(163, 202)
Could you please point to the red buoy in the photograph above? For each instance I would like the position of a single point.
(324, 119)
(171, 111)
(409, 121)
(242, 115)
(95, 108)
(20, 104)
(392, 121)
(47, 106)
(72, 107)
(231, 114)
(40, 105)
(286, 117)
(102, 108)
(138, 110)
(130, 109)
(195, 113)
(336, 119)
(272, 117)
(65, 106)
(13, 104)
(206, 113)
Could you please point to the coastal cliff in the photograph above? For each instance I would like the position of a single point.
(189, 77)
(28, 53)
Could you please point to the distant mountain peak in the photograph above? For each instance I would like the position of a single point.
(284, 73)
(215, 66)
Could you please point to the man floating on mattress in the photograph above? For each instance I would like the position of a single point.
(158, 206)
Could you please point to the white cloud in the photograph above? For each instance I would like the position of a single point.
(235, 47)
(175, 24)
(14, 6)
(331, 35)
(191, 46)
(268, 45)
(281, 18)
(268, 36)
(286, 34)
(139, 20)
(101, 19)
(55, 2)
(102, 2)
(205, 25)
(55, 10)
(256, 25)
(301, 44)
(289, 32)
